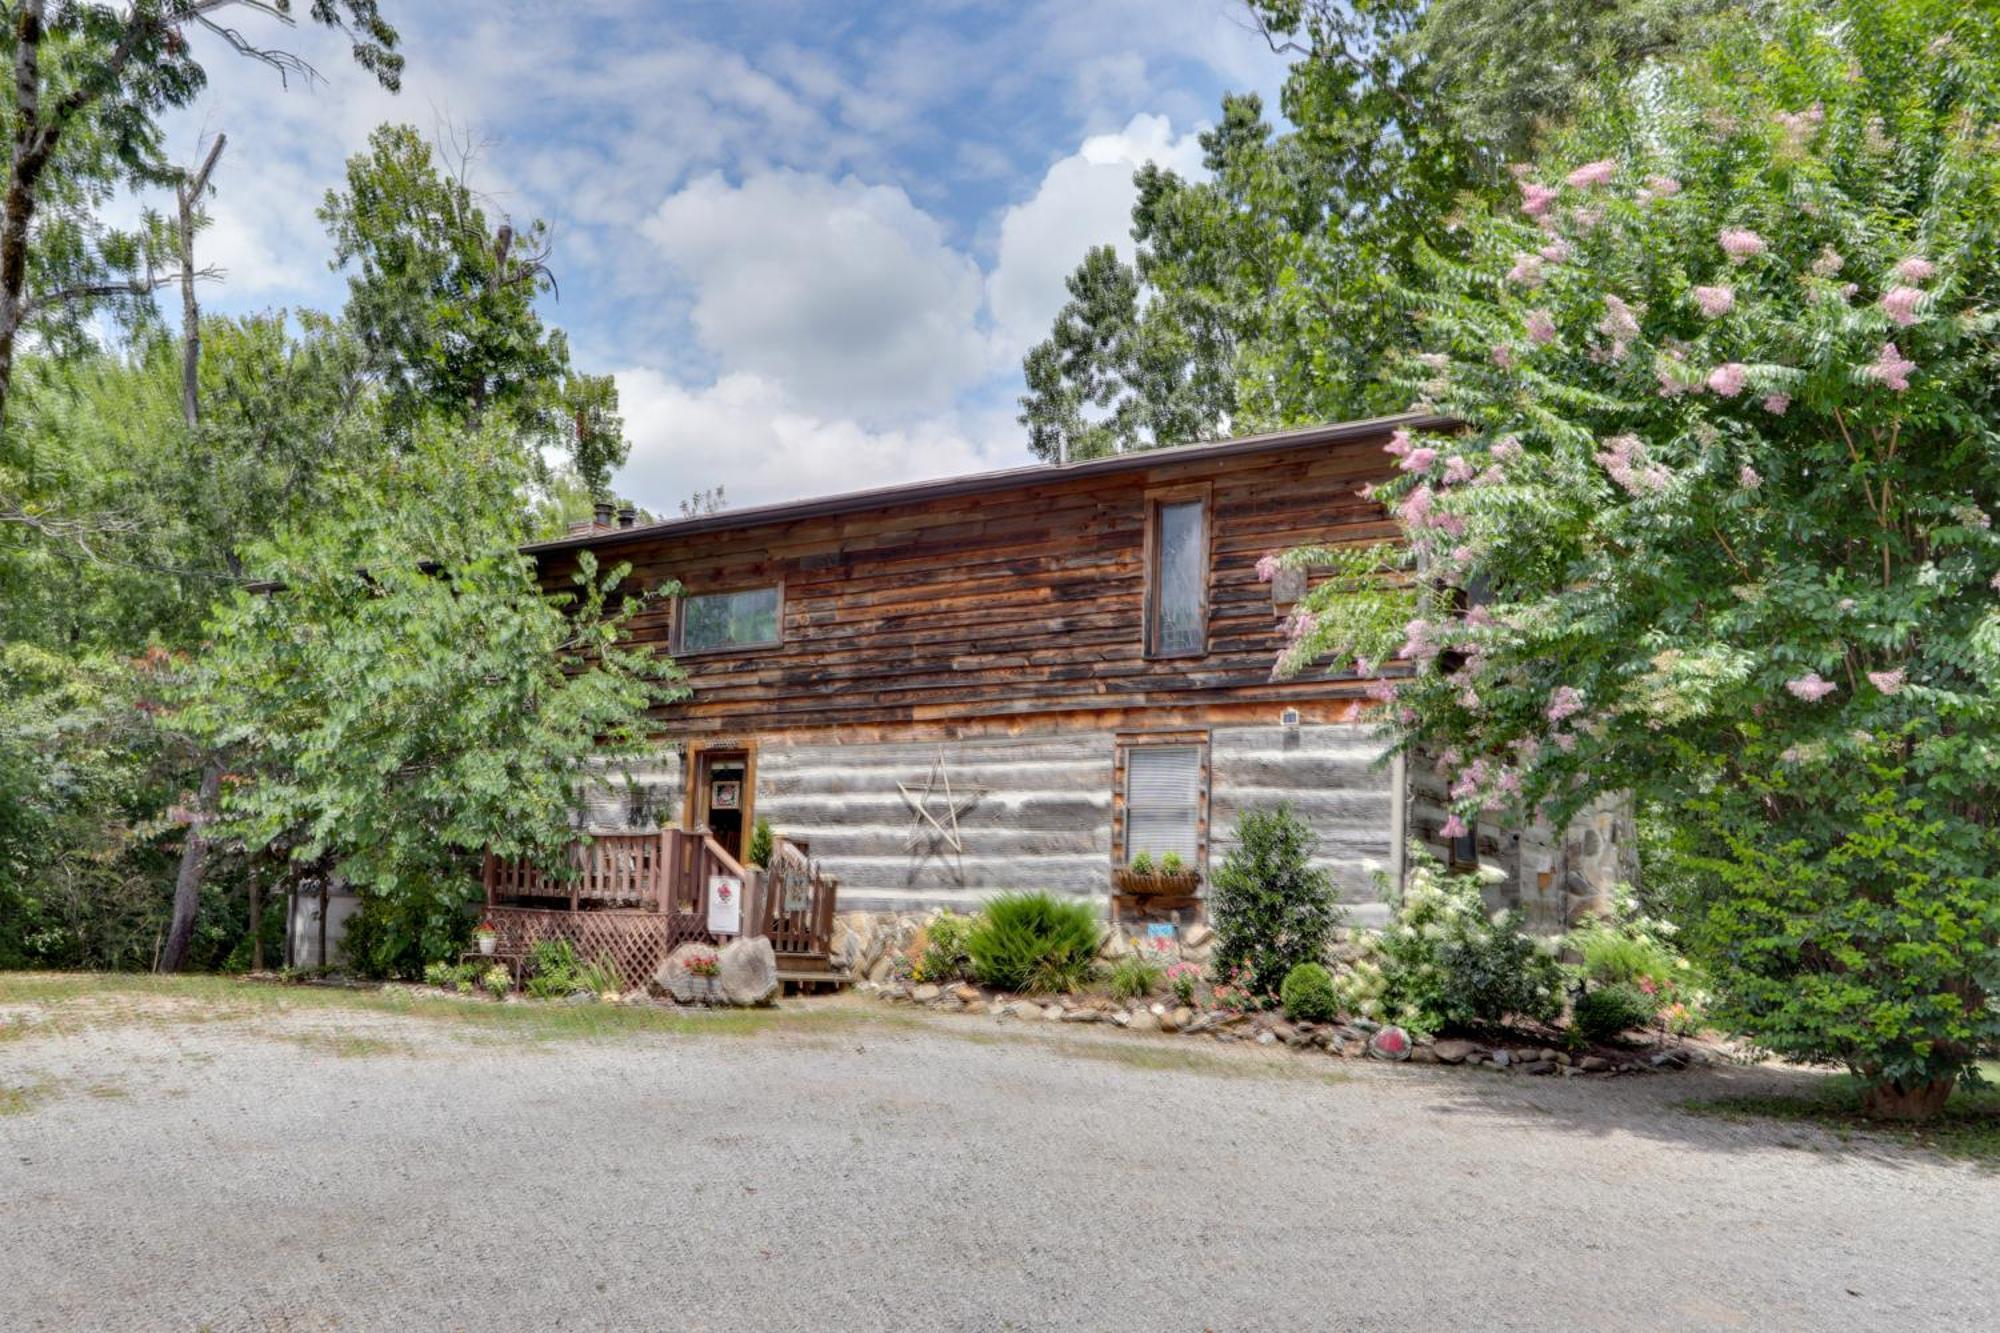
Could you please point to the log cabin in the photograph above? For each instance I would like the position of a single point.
(1023, 680)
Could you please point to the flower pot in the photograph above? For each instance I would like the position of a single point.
(1158, 884)
(487, 943)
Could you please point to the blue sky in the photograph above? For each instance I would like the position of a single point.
(811, 240)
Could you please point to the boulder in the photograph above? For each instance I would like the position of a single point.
(674, 978)
(1197, 936)
(925, 993)
(1145, 1020)
(749, 971)
(879, 973)
(1593, 1064)
(967, 994)
(1453, 1052)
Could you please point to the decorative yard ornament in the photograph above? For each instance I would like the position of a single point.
(934, 813)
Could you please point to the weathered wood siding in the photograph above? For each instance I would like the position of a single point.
(1017, 603)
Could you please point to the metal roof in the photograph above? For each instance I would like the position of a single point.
(982, 483)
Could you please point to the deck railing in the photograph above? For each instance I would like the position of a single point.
(638, 896)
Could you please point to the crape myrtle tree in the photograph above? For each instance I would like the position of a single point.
(1719, 528)
(406, 695)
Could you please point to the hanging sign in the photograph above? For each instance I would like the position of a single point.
(725, 904)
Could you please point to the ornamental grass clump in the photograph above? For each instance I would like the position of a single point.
(1272, 909)
(1724, 481)
(1034, 942)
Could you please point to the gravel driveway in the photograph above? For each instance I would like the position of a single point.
(363, 1171)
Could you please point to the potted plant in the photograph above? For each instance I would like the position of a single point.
(1170, 877)
(486, 935)
(704, 968)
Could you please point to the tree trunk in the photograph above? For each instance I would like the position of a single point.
(256, 922)
(1895, 1101)
(187, 883)
(189, 197)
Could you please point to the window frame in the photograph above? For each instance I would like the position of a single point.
(1125, 743)
(1156, 501)
(679, 628)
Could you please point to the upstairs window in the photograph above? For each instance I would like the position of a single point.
(1164, 787)
(1177, 576)
(712, 621)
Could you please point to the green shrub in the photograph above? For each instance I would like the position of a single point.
(1272, 910)
(1604, 1012)
(498, 981)
(1443, 962)
(553, 968)
(601, 976)
(761, 839)
(1133, 978)
(1308, 994)
(943, 957)
(440, 974)
(1033, 942)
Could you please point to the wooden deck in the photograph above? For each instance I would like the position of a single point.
(635, 898)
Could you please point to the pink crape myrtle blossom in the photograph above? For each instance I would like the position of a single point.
(1748, 479)
(1454, 827)
(1541, 327)
(1740, 243)
(1914, 269)
(1828, 263)
(1889, 682)
(1566, 743)
(1564, 701)
(1728, 379)
(1503, 356)
(1810, 687)
(1399, 444)
(1301, 624)
(1527, 270)
(1557, 251)
(1535, 199)
(1890, 367)
(1625, 458)
(1593, 174)
(1457, 470)
(1507, 448)
(1900, 305)
(1995, 584)
(1657, 187)
(1776, 403)
(1419, 459)
(1418, 646)
(1715, 302)
(1267, 568)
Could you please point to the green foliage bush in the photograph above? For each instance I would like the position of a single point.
(553, 969)
(497, 981)
(1308, 994)
(1134, 978)
(1603, 1012)
(761, 839)
(1272, 910)
(1034, 942)
(943, 957)
(1444, 962)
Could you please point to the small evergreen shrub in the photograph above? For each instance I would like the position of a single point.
(1443, 962)
(1308, 994)
(1272, 910)
(440, 974)
(761, 839)
(1134, 978)
(1033, 942)
(1604, 1012)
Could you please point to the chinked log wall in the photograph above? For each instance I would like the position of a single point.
(957, 615)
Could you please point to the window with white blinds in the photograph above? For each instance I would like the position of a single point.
(1163, 801)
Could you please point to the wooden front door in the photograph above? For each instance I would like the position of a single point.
(720, 798)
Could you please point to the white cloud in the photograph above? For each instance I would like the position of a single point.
(1085, 199)
(845, 293)
(743, 433)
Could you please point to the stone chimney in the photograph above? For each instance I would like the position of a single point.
(600, 515)
(628, 515)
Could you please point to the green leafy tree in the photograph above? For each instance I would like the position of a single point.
(407, 697)
(82, 109)
(444, 301)
(1719, 530)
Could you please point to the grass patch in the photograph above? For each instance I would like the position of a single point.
(1968, 1128)
(25, 1097)
(68, 1003)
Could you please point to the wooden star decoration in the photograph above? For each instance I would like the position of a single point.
(934, 830)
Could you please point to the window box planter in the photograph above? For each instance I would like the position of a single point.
(1157, 884)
